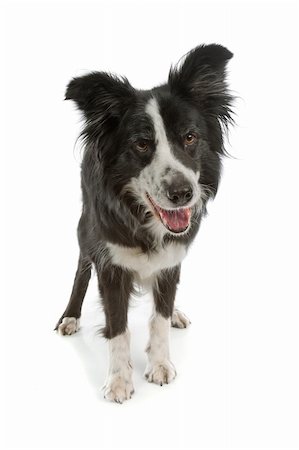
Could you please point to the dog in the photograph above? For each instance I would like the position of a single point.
(152, 160)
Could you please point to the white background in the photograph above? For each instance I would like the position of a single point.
(237, 384)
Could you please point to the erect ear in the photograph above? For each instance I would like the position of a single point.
(100, 94)
(201, 78)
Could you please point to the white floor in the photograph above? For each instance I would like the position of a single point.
(237, 368)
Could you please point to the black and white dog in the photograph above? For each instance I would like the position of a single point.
(152, 160)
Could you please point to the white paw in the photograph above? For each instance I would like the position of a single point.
(160, 373)
(118, 389)
(69, 325)
(179, 319)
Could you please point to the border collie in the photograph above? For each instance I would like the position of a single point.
(152, 160)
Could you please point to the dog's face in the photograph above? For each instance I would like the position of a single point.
(162, 146)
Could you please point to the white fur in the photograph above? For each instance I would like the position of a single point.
(179, 319)
(69, 325)
(146, 265)
(163, 155)
(150, 178)
(119, 386)
(159, 369)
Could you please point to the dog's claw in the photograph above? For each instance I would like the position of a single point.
(162, 373)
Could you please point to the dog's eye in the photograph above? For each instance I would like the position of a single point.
(141, 146)
(190, 138)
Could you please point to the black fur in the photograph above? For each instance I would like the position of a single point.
(196, 92)
(165, 290)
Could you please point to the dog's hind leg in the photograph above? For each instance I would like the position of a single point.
(179, 319)
(69, 321)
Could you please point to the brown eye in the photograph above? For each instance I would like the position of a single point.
(190, 138)
(141, 146)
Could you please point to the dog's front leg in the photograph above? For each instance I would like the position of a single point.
(116, 286)
(160, 369)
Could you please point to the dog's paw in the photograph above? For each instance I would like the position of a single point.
(160, 373)
(179, 319)
(69, 325)
(118, 389)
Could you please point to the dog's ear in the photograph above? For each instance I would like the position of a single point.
(201, 78)
(100, 94)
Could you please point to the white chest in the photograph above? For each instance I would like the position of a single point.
(146, 265)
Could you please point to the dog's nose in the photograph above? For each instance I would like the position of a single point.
(180, 194)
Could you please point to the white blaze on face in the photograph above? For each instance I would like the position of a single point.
(164, 166)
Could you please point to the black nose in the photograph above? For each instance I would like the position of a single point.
(179, 194)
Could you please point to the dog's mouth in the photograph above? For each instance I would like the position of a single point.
(175, 220)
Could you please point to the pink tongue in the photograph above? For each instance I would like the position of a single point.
(177, 220)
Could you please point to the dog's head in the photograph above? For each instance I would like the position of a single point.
(159, 148)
